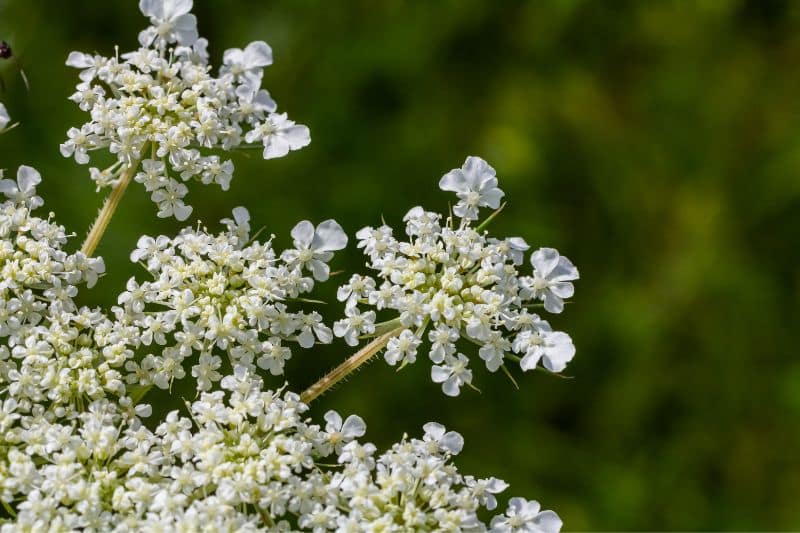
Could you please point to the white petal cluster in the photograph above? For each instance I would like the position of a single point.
(37, 276)
(243, 459)
(76, 455)
(221, 301)
(451, 282)
(80, 450)
(159, 108)
(54, 353)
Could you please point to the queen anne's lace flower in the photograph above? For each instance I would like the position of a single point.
(523, 515)
(244, 456)
(159, 107)
(171, 22)
(221, 295)
(75, 452)
(454, 281)
(475, 185)
(55, 357)
(552, 275)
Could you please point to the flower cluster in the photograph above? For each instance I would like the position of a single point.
(75, 453)
(48, 352)
(221, 296)
(80, 448)
(453, 281)
(157, 107)
(244, 459)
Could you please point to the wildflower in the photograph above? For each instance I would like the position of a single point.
(314, 247)
(248, 63)
(279, 135)
(455, 282)
(342, 432)
(23, 191)
(223, 292)
(4, 118)
(475, 185)
(171, 22)
(452, 374)
(164, 106)
(552, 274)
(524, 515)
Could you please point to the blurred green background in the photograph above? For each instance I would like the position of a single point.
(656, 144)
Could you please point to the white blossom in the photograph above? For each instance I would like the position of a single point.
(161, 104)
(4, 118)
(23, 191)
(171, 22)
(226, 311)
(279, 135)
(525, 516)
(452, 374)
(458, 283)
(248, 63)
(475, 185)
(314, 247)
(224, 294)
(552, 274)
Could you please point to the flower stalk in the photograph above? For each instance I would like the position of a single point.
(108, 209)
(346, 368)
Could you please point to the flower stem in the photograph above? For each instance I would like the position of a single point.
(107, 211)
(490, 218)
(343, 370)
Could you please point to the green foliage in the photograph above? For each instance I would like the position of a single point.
(656, 144)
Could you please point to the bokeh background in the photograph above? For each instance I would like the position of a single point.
(656, 144)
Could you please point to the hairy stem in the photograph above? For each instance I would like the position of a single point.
(354, 361)
(107, 211)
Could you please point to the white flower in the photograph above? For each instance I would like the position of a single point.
(402, 348)
(80, 140)
(475, 184)
(170, 201)
(171, 22)
(166, 97)
(4, 118)
(224, 293)
(354, 325)
(452, 374)
(279, 135)
(443, 340)
(460, 283)
(450, 441)
(248, 63)
(314, 247)
(552, 274)
(205, 371)
(239, 225)
(274, 356)
(554, 348)
(357, 288)
(24, 189)
(340, 433)
(485, 489)
(525, 516)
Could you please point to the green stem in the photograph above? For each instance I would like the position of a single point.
(344, 369)
(8, 508)
(107, 211)
(382, 327)
(490, 218)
